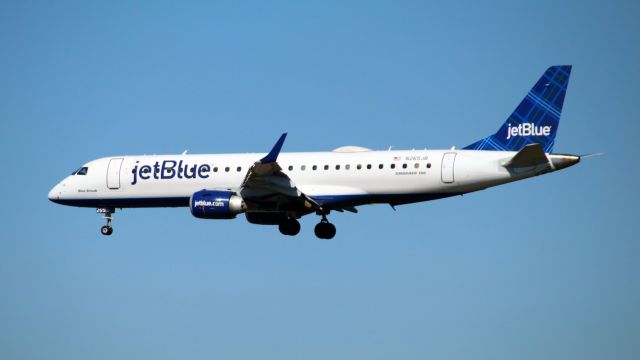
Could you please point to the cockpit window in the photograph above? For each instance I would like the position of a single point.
(81, 171)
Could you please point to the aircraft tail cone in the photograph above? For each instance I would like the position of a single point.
(563, 161)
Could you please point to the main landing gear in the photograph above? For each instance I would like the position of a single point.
(289, 226)
(107, 215)
(325, 230)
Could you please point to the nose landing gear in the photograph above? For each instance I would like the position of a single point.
(106, 230)
(107, 215)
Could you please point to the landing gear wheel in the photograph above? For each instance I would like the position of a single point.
(325, 230)
(289, 227)
(106, 230)
(107, 215)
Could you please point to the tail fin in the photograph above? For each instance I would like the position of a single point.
(536, 119)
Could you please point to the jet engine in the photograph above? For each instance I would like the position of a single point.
(213, 204)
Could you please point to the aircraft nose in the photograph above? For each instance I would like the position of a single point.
(54, 194)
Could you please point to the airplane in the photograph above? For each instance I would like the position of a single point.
(278, 188)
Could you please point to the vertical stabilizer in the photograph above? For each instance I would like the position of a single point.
(536, 119)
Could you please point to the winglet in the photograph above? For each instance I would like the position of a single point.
(272, 156)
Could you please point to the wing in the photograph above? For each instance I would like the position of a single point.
(267, 188)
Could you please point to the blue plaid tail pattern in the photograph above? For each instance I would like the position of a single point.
(536, 119)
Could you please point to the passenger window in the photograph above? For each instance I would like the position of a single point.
(315, 167)
(416, 165)
(290, 167)
(380, 166)
(369, 166)
(226, 169)
(428, 165)
(359, 167)
(215, 169)
(404, 166)
(303, 167)
(337, 167)
(326, 167)
(239, 168)
(347, 167)
(393, 166)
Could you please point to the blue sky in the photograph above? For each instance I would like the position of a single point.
(544, 268)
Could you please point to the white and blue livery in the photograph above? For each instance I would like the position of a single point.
(278, 188)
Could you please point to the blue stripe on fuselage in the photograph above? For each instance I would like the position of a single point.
(328, 201)
(126, 202)
(393, 199)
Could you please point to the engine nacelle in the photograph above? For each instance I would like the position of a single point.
(212, 204)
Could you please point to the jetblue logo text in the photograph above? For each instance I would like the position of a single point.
(527, 129)
(170, 169)
(207, 203)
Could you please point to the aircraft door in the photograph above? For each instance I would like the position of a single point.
(448, 161)
(113, 173)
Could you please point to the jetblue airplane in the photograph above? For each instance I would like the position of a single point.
(278, 188)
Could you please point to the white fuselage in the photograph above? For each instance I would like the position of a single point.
(169, 180)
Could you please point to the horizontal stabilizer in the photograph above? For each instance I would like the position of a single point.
(530, 155)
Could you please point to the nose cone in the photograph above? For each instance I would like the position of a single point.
(54, 194)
